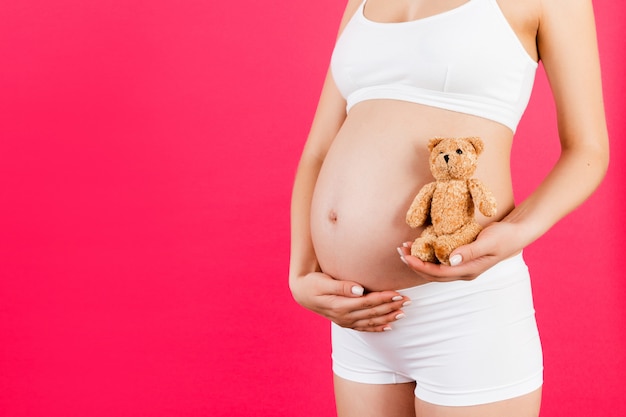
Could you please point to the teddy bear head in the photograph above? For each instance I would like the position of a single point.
(454, 158)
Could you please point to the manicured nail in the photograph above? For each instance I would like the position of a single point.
(356, 290)
(406, 303)
(406, 244)
(400, 316)
(386, 328)
(402, 256)
(397, 298)
(456, 259)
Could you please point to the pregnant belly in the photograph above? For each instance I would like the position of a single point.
(358, 241)
(371, 173)
(358, 212)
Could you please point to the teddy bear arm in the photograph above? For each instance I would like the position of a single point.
(420, 208)
(483, 198)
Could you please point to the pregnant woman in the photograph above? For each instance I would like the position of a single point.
(412, 338)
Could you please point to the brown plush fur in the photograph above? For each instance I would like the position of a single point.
(449, 201)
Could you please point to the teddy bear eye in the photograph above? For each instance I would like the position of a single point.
(459, 151)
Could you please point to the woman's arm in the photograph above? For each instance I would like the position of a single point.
(340, 301)
(568, 48)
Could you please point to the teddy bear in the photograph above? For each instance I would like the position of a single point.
(450, 200)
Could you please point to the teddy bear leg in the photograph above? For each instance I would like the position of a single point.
(444, 245)
(422, 247)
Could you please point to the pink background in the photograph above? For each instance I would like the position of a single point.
(147, 150)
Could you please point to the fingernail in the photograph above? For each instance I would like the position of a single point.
(397, 298)
(406, 303)
(356, 290)
(402, 256)
(406, 244)
(386, 328)
(400, 316)
(456, 259)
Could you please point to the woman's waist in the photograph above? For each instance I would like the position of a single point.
(508, 273)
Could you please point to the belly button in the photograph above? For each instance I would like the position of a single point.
(332, 216)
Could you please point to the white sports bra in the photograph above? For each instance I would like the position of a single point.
(467, 59)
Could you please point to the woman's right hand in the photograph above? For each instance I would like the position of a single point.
(344, 303)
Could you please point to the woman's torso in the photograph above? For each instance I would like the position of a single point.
(375, 167)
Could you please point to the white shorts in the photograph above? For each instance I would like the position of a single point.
(463, 342)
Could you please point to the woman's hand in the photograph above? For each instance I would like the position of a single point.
(496, 242)
(344, 303)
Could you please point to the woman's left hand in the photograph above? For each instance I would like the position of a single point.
(496, 242)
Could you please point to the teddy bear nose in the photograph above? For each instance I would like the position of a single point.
(446, 158)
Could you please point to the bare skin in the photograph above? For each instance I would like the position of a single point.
(364, 400)
(373, 170)
(359, 172)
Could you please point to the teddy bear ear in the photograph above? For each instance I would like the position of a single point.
(434, 142)
(477, 143)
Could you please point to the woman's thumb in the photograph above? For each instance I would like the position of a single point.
(466, 253)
